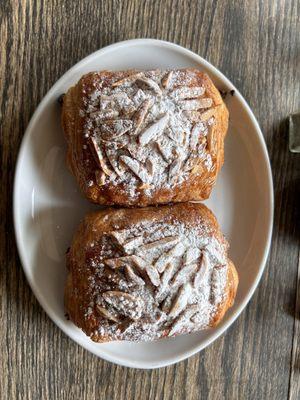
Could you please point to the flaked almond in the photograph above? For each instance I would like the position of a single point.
(167, 80)
(184, 274)
(137, 168)
(202, 270)
(131, 244)
(197, 130)
(100, 177)
(128, 80)
(164, 282)
(167, 258)
(160, 244)
(154, 130)
(181, 300)
(140, 115)
(98, 155)
(103, 115)
(112, 158)
(119, 262)
(192, 254)
(133, 277)
(120, 236)
(206, 115)
(165, 147)
(183, 320)
(114, 129)
(152, 85)
(146, 267)
(174, 169)
(107, 314)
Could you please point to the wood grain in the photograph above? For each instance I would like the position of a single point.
(256, 44)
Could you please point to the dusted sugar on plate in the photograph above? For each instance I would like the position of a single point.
(145, 137)
(145, 274)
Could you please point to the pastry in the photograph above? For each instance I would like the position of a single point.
(137, 138)
(145, 274)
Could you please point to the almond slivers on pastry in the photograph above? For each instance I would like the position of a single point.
(145, 137)
(145, 274)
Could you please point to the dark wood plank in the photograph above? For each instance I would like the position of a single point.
(256, 44)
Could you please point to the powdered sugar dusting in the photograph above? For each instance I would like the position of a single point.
(145, 119)
(155, 279)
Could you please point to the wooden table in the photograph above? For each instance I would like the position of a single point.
(256, 44)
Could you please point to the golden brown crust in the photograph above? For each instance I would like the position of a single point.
(194, 183)
(98, 273)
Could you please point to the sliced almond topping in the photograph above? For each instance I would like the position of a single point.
(145, 266)
(184, 274)
(196, 131)
(165, 147)
(193, 116)
(183, 319)
(112, 158)
(191, 255)
(127, 245)
(149, 167)
(137, 168)
(114, 97)
(138, 152)
(139, 97)
(120, 236)
(152, 85)
(185, 92)
(181, 300)
(166, 80)
(195, 104)
(206, 115)
(132, 276)
(154, 131)
(215, 251)
(160, 244)
(128, 80)
(165, 279)
(132, 244)
(126, 304)
(119, 261)
(166, 258)
(103, 115)
(153, 275)
(100, 177)
(115, 128)
(174, 169)
(202, 271)
(135, 261)
(140, 114)
(97, 153)
(106, 314)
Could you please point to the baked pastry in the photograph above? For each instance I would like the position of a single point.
(144, 274)
(145, 137)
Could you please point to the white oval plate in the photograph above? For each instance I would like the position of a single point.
(48, 206)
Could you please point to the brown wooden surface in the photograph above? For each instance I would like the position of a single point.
(257, 45)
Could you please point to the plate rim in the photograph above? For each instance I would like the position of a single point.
(270, 213)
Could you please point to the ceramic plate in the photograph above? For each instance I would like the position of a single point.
(48, 205)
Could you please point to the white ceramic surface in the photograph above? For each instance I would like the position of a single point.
(48, 206)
